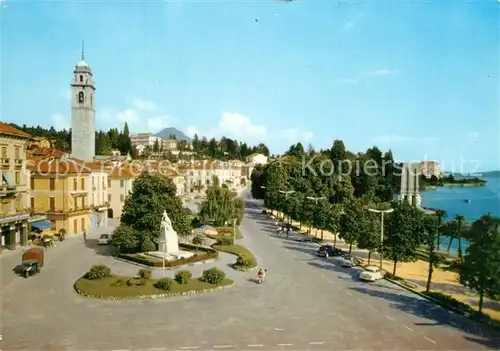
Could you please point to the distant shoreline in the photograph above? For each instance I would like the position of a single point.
(452, 185)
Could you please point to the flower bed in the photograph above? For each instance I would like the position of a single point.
(204, 253)
(126, 288)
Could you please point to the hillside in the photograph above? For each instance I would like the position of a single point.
(167, 132)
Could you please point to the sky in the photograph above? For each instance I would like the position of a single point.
(418, 77)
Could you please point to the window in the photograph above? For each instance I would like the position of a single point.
(52, 203)
(83, 223)
(17, 152)
(75, 184)
(75, 204)
(93, 198)
(18, 178)
(83, 183)
(81, 97)
(91, 99)
(32, 181)
(4, 151)
(109, 183)
(122, 198)
(75, 225)
(121, 183)
(109, 197)
(52, 184)
(32, 204)
(207, 181)
(93, 183)
(81, 78)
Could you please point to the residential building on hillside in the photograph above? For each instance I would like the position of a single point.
(98, 195)
(60, 189)
(14, 187)
(430, 168)
(200, 175)
(142, 140)
(169, 144)
(120, 182)
(257, 159)
(167, 169)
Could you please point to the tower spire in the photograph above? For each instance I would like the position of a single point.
(83, 51)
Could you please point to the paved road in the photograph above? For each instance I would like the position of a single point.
(306, 303)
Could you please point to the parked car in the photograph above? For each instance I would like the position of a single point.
(104, 239)
(328, 251)
(348, 261)
(371, 274)
(305, 238)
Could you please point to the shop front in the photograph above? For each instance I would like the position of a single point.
(14, 230)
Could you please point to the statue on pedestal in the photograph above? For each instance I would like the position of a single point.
(169, 242)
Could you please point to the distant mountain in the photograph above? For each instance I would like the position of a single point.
(167, 132)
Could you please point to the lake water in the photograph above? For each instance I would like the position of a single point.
(484, 200)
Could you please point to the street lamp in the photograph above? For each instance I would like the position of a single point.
(381, 230)
(286, 198)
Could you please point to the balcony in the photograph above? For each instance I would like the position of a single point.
(78, 192)
(18, 163)
(5, 162)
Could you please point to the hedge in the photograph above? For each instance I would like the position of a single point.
(204, 254)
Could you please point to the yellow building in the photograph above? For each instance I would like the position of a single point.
(120, 181)
(40, 142)
(60, 189)
(14, 208)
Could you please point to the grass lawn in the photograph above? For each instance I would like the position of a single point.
(239, 251)
(108, 287)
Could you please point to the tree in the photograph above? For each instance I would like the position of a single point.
(369, 238)
(461, 229)
(431, 229)
(351, 228)
(198, 240)
(125, 238)
(152, 194)
(480, 269)
(440, 215)
(258, 180)
(405, 233)
(220, 205)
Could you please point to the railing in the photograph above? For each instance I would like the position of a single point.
(18, 162)
(5, 162)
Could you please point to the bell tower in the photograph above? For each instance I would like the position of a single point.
(82, 112)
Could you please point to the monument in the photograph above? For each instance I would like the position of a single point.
(409, 187)
(168, 245)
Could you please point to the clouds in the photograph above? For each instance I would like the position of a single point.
(383, 72)
(238, 126)
(346, 81)
(402, 139)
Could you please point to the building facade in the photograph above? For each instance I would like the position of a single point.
(14, 187)
(257, 159)
(60, 190)
(120, 181)
(83, 112)
(409, 189)
(98, 195)
(141, 141)
(430, 168)
(200, 175)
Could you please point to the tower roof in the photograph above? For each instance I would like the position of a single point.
(82, 64)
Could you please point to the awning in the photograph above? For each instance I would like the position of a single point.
(41, 225)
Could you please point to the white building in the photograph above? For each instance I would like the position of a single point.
(98, 195)
(199, 175)
(142, 140)
(120, 181)
(257, 159)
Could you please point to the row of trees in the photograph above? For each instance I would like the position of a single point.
(304, 187)
(226, 148)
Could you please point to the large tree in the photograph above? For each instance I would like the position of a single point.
(143, 209)
(431, 229)
(480, 269)
(220, 205)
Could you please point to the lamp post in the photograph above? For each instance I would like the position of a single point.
(381, 230)
(286, 198)
(315, 199)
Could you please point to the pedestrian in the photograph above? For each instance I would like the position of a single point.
(84, 235)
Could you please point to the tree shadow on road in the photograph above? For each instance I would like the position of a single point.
(101, 250)
(479, 333)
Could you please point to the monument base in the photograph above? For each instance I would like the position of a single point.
(172, 256)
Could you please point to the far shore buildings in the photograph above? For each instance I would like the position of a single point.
(430, 168)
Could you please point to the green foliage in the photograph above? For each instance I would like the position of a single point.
(405, 233)
(258, 179)
(480, 269)
(198, 240)
(143, 209)
(98, 272)
(220, 206)
(183, 277)
(125, 238)
(164, 284)
(147, 245)
(213, 276)
(145, 273)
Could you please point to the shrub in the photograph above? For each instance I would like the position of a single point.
(392, 277)
(225, 241)
(145, 273)
(213, 276)
(130, 282)
(119, 282)
(198, 240)
(183, 277)
(450, 301)
(164, 284)
(98, 272)
(147, 245)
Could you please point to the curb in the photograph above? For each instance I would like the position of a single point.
(212, 260)
(154, 296)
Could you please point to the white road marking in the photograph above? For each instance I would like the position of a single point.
(316, 343)
(222, 346)
(426, 338)
(407, 327)
(285, 344)
(255, 345)
(360, 301)
(373, 308)
(189, 348)
(348, 293)
(157, 349)
(390, 318)
(279, 329)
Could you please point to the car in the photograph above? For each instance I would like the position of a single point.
(104, 239)
(348, 261)
(371, 274)
(305, 238)
(328, 251)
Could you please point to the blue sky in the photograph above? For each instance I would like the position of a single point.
(421, 78)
